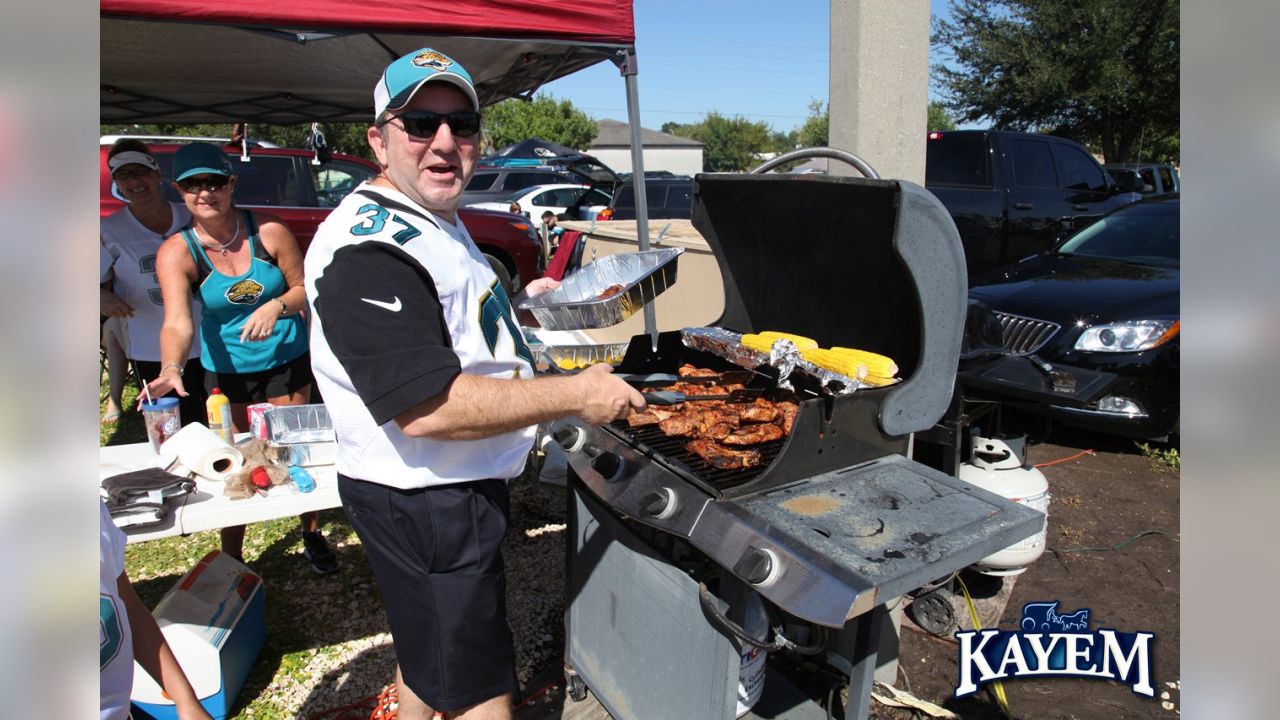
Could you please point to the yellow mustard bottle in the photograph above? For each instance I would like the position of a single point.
(219, 409)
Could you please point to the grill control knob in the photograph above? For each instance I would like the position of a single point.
(608, 465)
(660, 503)
(569, 437)
(757, 566)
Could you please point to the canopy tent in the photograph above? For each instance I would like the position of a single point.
(295, 61)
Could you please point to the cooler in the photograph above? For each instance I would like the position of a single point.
(215, 620)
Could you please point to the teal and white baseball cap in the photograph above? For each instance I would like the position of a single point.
(403, 78)
(200, 158)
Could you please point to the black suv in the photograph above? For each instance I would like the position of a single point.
(668, 198)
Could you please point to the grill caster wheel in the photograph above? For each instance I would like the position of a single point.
(935, 612)
(573, 683)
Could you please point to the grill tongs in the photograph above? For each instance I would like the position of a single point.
(671, 397)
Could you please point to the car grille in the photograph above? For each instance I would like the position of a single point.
(1024, 336)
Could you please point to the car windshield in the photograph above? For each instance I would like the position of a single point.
(1143, 234)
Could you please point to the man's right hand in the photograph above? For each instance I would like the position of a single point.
(606, 398)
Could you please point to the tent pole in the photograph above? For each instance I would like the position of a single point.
(627, 64)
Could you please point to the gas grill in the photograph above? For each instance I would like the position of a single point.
(835, 520)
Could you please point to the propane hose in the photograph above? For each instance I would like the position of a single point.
(780, 642)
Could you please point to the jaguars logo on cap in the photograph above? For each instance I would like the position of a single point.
(245, 292)
(432, 59)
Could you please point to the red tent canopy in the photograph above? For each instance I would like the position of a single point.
(289, 61)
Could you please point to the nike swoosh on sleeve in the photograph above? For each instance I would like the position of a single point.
(393, 305)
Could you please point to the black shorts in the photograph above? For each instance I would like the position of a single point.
(256, 387)
(190, 408)
(436, 554)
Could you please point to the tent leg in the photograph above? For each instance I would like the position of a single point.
(629, 70)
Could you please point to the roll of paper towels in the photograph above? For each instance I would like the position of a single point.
(203, 452)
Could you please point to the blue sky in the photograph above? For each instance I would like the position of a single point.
(765, 61)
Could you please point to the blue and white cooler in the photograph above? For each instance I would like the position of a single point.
(215, 620)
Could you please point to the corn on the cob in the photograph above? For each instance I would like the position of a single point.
(835, 362)
(877, 365)
(764, 341)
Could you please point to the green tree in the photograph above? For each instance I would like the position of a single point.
(939, 118)
(1104, 72)
(816, 129)
(512, 121)
(678, 129)
(731, 144)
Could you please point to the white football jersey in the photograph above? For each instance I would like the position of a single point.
(127, 256)
(401, 302)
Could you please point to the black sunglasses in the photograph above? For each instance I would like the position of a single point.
(212, 183)
(423, 124)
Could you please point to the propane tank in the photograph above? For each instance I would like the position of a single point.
(752, 659)
(998, 465)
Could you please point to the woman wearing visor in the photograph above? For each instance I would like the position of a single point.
(246, 269)
(129, 294)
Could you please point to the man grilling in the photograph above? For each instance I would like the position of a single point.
(430, 386)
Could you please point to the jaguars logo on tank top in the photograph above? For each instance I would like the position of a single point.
(245, 292)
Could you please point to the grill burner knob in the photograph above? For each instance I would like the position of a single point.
(658, 503)
(608, 465)
(755, 566)
(569, 437)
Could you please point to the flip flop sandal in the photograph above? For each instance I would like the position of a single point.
(111, 418)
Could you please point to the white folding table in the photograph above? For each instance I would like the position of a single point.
(207, 508)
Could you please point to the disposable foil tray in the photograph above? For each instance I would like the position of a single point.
(301, 434)
(572, 357)
(577, 304)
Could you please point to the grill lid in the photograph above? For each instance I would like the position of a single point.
(853, 262)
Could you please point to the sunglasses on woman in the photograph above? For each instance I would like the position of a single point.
(212, 183)
(423, 124)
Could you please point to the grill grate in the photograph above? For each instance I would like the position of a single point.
(1024, 336)
(671, 451)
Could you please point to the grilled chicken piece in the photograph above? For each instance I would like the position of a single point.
(694, 422)
(697, 389)
(682, 425)
(787, 411)
(723, 458)
(651, 416)
(688, 370)
(759, 411)
(754, 435)
(719, 431)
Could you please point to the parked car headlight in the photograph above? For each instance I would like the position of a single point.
(1128, 336)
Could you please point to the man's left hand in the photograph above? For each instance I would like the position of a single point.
(539, 286)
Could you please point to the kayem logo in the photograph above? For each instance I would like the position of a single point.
(1052, 644)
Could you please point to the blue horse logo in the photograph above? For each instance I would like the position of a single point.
(1043, 617)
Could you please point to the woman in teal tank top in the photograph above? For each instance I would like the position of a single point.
(246, 270)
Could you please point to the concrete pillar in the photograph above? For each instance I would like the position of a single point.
(880, 85)
(879, 108)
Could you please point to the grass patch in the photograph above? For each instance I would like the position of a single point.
(309, 618)
(1167, 456)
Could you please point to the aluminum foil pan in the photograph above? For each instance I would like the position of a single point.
(301, 434)
(784, 356)
(574, 357)
(632, 280)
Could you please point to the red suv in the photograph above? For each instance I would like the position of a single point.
(287, 183)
